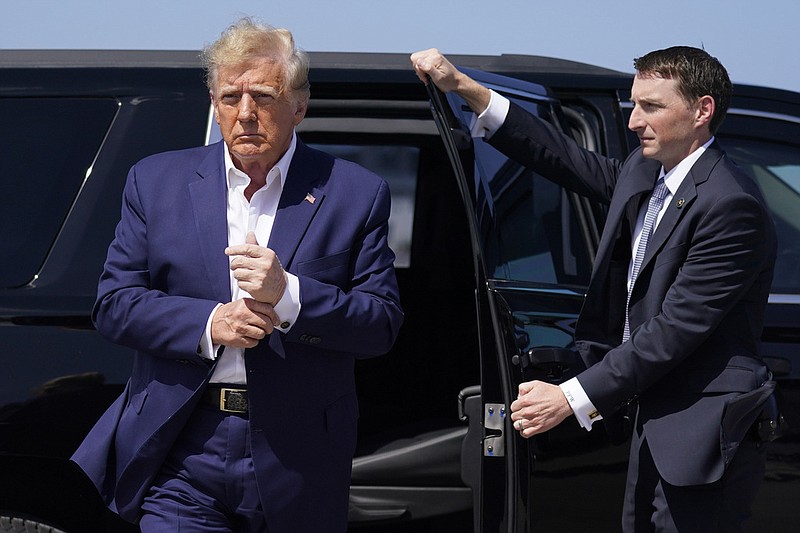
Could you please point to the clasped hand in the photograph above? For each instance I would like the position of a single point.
(257, 270)
(242, 323)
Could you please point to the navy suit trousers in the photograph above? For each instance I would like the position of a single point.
(207, 483)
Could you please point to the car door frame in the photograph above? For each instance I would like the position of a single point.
(500, 478)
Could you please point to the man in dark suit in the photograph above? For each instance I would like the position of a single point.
(248, 276)
(676, 302)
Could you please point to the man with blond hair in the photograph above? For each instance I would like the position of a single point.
(246, 313)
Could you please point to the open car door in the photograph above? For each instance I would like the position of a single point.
(533, 245)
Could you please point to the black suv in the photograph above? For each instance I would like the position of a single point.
(492, 262)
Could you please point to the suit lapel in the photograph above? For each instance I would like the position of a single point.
(681, 201)
(209, 202)
(301, 198)
(678, 205)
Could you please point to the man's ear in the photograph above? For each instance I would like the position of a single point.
(214, 105)
(705, 110)
(300, 110)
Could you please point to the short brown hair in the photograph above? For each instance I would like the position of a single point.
(697, 73)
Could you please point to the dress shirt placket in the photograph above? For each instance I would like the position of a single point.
(257, 216)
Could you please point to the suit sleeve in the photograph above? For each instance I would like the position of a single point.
(132, 312)
(536, 144)
(710, 304)
(364, 316)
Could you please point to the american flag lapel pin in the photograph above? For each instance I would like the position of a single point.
(310, 199)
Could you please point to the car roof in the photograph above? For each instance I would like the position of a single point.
(549, 71)
(363, 60)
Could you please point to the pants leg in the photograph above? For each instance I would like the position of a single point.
(652, 504)
(639, 488)
(207, 483)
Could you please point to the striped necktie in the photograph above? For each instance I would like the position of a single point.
(653, 207)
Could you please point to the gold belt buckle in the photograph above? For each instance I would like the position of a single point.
(233, 400)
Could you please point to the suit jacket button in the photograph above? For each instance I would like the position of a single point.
(314, 340)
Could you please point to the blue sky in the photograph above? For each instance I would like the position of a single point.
(759, 42)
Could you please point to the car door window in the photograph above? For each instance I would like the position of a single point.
(776, 169)
(530, 226)
(766, 146)
(49, 145)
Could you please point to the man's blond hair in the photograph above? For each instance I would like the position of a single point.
(248, 39)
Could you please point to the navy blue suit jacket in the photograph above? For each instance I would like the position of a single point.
(166, 270)
(697, 307)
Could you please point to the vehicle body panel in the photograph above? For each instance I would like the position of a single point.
(492, 265)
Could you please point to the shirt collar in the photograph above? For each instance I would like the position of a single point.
(674, 178)
(236, 177)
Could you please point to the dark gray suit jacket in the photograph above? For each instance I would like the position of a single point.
(697, 307)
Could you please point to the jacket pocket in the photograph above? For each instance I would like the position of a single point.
(331, 268)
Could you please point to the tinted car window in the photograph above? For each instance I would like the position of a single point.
(776, 168)
(48, 148)
(531, 226)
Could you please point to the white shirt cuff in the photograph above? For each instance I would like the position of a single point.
(585, 411)
(206, 349)
(487, 123)
(288, 308)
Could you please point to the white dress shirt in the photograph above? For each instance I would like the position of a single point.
(485, 125)
(256, 215)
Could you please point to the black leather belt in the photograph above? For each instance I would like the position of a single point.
(230, 399)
